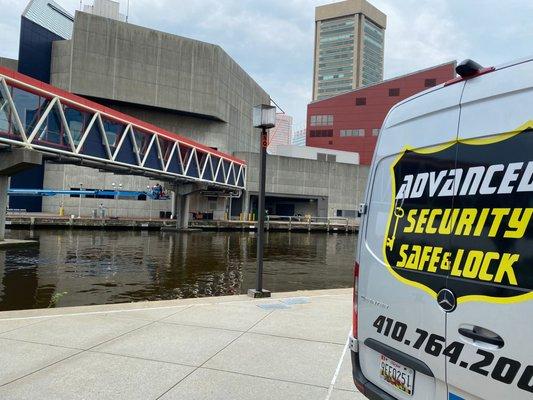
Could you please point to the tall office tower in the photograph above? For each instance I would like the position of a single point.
(349, 44)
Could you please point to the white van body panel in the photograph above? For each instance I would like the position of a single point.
(482, 107)
(496, 103)
(415, 122)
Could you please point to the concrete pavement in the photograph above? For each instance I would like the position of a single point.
(287, 347)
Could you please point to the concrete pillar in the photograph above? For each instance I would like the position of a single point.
(246, 205)
(13, 161)
(184, 212)
(4, 186)
(175, 202)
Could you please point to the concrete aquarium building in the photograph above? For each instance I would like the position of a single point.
(181, 85)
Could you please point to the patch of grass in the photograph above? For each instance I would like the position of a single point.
(55, 298)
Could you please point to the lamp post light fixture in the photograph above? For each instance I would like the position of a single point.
(264, 117)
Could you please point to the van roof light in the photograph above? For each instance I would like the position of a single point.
(468, 68)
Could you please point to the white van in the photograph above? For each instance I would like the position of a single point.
(443, 294)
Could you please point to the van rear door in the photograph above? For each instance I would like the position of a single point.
(401, 327)
(489, 333)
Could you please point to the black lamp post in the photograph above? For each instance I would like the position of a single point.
(264, 117)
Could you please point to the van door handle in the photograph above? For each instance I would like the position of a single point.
(472, 334)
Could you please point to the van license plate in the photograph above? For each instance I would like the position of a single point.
(397, 375)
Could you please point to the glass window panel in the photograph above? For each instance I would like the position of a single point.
(8, 125)
(5, 114)
(166, 148)
(113, 131)
(28, 107)
(143, 141)
(77, 122)
(52, 131)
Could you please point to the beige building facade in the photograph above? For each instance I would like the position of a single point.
(349, 47)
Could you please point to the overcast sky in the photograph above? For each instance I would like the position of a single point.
(273, 40)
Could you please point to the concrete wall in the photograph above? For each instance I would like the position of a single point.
(9, 63)
(341, 185)
(61, 176)
(196, 88)
(186, 86)
(311, 153)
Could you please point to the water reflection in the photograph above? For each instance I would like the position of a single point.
(75, 267)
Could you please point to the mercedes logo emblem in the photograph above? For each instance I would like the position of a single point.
(446, 300)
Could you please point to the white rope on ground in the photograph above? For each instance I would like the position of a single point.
(338, 369)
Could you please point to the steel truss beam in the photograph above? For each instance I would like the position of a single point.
(150, 160)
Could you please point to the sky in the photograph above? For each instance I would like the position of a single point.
(273, 40)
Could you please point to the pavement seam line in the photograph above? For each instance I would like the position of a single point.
(339, 365)
(295, 338)
(266, 377)
(141, 358)
(76, 354)
(198, 326)
(23, 326)
(40, 369)
(40, 343)
(216, 353)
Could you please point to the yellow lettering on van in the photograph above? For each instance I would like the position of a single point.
(412, 221)
(425, 257)
(506, 268)
(466, 221)
(434, 213)
(446, 263)
(422, 219)
(518, 223)
(473, 264)
(435, 258)
(483, 273)
(414, 257)
(481, 221)
(403, 249)
(456, 270)
(498, 213)
(448, 221)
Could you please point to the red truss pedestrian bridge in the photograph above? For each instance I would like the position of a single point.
(72, 129)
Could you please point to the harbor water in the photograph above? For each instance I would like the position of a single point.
(86, 267)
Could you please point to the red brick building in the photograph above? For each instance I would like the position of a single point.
(351, 121)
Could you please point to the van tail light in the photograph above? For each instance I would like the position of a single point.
(355, 298)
